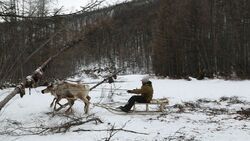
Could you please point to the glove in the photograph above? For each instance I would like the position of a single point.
(129, 91)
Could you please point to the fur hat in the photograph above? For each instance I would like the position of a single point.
(145, 79)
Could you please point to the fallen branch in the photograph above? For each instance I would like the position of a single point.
(15, 128)
(115, 129)
(243, 114)
(66, 126)
(112, 131)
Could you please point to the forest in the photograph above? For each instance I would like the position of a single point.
(78, 73)
(169, 38)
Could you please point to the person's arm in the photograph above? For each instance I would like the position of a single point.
(137, 91)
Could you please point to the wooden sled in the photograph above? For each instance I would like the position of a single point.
(132, 112)
(116, 110)
(161, 103)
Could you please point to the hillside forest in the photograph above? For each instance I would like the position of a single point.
(169, 38)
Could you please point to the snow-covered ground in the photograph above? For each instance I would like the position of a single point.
(213, 119)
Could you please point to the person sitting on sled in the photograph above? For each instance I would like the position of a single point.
(146, 94)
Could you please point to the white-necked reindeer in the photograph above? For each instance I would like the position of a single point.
(69, 91)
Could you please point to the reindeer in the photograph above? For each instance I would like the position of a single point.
(69, 91)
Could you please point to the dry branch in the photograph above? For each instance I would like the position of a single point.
(115, 129)
(66, 126)
(108, 78)
(112, 131)
(16, 128)
(244, 113)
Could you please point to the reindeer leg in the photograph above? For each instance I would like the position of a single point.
(52, 103)
(86, 106)
(71, 102)
(64, 105)
(57, 102)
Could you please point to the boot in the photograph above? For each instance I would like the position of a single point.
(124, 109)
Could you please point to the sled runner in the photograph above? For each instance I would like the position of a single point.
(131, 112)
(160, 106)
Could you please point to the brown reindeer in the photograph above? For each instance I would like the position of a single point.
(69, 91)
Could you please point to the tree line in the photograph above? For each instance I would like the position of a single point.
(166, 37)
(112, 37)
(203, 38)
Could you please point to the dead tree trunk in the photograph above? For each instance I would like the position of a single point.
(31, 80)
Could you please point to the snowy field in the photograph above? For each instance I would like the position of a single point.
(198, 110)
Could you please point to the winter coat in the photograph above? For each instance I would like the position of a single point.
(146, 91)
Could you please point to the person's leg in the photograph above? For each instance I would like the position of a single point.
(132, 101)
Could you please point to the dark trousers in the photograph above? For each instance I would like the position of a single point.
(132, 100)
